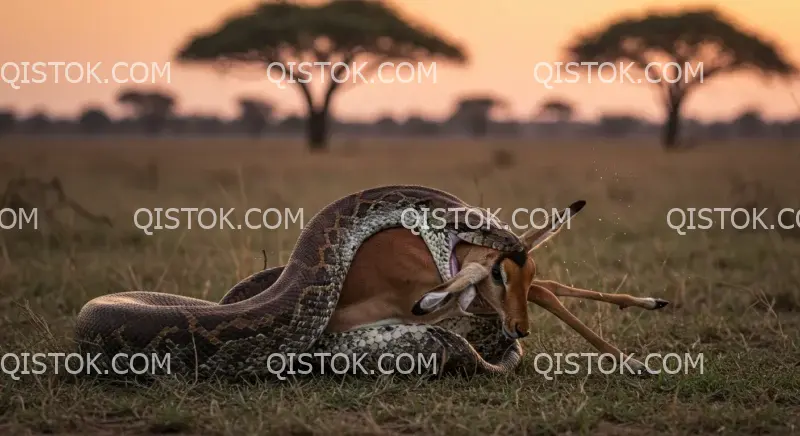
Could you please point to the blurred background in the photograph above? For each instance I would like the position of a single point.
(491, 61)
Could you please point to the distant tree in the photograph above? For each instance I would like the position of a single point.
(94, 120)
(255, 115)
(701, 42)
(718, 130)
(418, 125)
(474, 111)
(387, 124)
(347, 31)
(7, 121)
(749, 123)
(790, 128)
(292, 124)
(557, 110)
(618, 125)
(209, 125)
(38, 123)
(153, 108)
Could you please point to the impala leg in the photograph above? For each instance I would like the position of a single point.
(547, 299)
(621, 300)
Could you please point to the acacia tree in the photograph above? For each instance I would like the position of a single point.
(701, 42)
(556, 109)
(749, 123)
(153, 108)
(7, 121)
(94, 120)
(473, 111)
(285, 33)
(255, 115)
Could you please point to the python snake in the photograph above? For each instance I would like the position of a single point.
(286, 309)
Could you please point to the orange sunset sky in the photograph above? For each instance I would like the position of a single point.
(505, 39)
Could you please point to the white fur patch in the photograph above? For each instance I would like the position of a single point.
(466, 297)
(430, 300)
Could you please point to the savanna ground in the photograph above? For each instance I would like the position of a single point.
(734, 293)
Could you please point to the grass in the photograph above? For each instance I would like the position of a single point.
(734, 293)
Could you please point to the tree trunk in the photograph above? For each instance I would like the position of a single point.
(480, 126)
(317, 133)
(672, 125)
(151, 125)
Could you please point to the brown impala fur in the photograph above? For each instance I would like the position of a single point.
(393, 279)
(377, 289)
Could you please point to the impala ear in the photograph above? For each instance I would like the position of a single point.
(534, 238)
(434, 299)
(430, 302)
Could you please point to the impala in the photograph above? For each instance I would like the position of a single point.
(393, 280)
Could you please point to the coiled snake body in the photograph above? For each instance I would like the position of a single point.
(285, 310)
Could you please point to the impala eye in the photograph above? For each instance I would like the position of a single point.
(497, 274)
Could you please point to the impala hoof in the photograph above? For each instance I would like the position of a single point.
(639, 369)
(577, 206)
(660, 303)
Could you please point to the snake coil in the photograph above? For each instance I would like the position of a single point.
(285, 310)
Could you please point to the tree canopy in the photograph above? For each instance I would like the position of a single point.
(152, 107)
(255, 114)
(94, 120)
(557, 109)
(283, 33)
(474, 112)
(702, 42)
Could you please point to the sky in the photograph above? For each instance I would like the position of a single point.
(511, 46)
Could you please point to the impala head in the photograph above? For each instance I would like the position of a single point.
(500, 279)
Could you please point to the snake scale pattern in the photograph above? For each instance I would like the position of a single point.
(286, 309)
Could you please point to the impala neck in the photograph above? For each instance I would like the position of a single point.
(458, 252)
